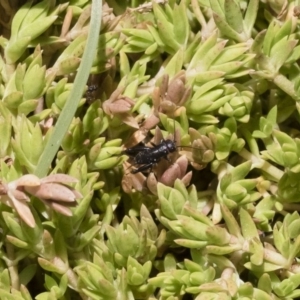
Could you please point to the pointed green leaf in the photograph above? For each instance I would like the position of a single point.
(234, 15)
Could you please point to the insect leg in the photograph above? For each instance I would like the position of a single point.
(142, 168)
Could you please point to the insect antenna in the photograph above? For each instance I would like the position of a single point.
(204, 151)
(178, 135)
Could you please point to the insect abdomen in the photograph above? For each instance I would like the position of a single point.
(146, 157)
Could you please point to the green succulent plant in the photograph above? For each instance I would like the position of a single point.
(80, 82)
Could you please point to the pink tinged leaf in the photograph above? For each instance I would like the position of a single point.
(23, 210)
(167, 106)
(60, 208)
(115, 95)
(182, 162)
(106, 107)
(185, 96)
(120, 106)
(138, 181)
(177, 170)
(52, 191)
(152, 183)
(28, 180)
(77, 194)
(176, 91)
(157, 136)
(186, 179)
(59, 178)
(126, 185)
(150, 122)
(170, 175)
(20, 195)
(164, 85)
(156, 99)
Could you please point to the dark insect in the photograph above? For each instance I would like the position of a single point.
(91, 88)
(91, 92)
(145, 157)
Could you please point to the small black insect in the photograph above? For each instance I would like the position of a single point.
(91, 88)
(91, 92)
(146, 157)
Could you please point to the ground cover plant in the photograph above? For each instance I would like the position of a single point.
(86, 86)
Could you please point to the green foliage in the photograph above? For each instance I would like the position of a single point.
(218, 219)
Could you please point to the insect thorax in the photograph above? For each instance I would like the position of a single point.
(171, 146)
